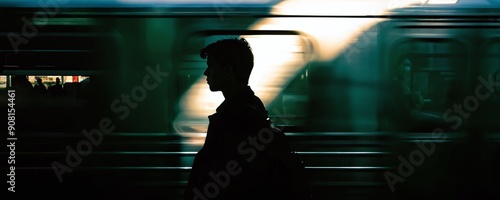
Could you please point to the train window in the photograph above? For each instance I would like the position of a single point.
(48, 81)
(430, 71)
(51, 80)
(3, 82)
(279, 78)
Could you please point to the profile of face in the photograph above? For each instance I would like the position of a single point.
(218, 76)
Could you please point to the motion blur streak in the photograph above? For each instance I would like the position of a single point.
(335, 34)
(278, 59)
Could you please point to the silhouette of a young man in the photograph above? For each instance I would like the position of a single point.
(231, 164)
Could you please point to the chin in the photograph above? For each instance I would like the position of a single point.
(214, 89)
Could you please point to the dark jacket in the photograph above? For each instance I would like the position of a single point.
(229, 166)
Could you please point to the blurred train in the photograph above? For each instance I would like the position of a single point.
(324, 66)
(397, 66)
(328, 66)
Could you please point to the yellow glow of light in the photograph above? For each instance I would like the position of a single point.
(275, 64)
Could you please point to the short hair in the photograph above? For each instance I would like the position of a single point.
(233, 51)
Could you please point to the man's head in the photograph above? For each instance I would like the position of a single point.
(229, 61)
(402, 69)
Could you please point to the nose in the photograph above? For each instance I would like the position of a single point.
(205, 72)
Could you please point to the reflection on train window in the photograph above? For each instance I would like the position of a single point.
(430, 73)
(279, 78)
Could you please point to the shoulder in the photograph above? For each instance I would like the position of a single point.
(243, 113)
(246, 109)
(252, 106)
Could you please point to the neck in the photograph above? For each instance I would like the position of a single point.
(232, 89)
